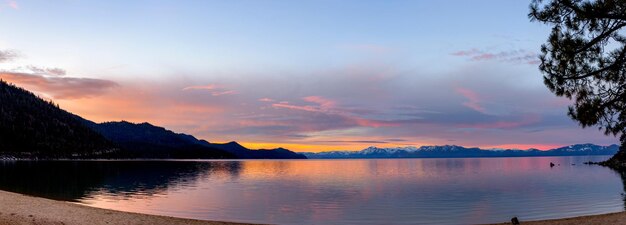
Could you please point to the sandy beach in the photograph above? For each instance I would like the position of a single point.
(611, 218)
(21, 209)
(16, 209)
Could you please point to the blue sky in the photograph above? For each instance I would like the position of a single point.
(310, 75)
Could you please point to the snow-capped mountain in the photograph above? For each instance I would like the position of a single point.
(449, 151)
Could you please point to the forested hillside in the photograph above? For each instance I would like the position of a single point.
(33, 127)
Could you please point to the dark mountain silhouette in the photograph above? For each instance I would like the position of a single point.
(242, 152)
(145, 140)
(33, 128)
(453, 151)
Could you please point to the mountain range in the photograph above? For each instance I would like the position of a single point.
(31, 127)
(453, 151)
(145, 140)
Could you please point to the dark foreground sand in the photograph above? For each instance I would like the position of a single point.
(16, 209)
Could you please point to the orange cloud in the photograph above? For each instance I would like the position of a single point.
(140, 104)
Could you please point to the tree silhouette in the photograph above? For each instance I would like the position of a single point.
(584, 60)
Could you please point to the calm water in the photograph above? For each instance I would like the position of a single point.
(386, 191)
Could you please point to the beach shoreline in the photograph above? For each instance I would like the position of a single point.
(19, 209)
(608, 218)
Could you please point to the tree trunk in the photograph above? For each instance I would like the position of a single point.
(618, 161)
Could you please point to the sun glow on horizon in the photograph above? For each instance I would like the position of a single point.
(357, 147)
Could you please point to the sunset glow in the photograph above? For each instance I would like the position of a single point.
(392, 76)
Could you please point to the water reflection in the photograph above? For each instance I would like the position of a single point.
(74, 180)
(389, 191)
(622, 175)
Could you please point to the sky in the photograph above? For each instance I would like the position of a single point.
(305, 75)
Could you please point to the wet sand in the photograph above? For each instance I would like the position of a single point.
(17, 209)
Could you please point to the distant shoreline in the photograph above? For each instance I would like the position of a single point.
(10, 159)
(22, 209)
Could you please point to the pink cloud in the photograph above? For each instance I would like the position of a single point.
(286, 105)
(13, 4)
(472, 51)
(376, 123)
(473, 99)
(203, 87)
(329, 107)
(266, 100)
(220, 93)
(484, 56)
(323, 102)
(214, 89)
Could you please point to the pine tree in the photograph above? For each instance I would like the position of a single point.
(584, 59)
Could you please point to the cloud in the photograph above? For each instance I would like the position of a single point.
(7, 55)
(13, 4)
(214, 89)
(470, 52)
(219, 93)
(356, 106)
(525, 120)
(286, 105)
(519, 56)
(266, 100)
(323, 105)
(46, 71)
(337, 117)
(59, 87)
(204, 87)
(473, 99)
(323, 102)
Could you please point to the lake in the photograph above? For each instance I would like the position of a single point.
(368, 191)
